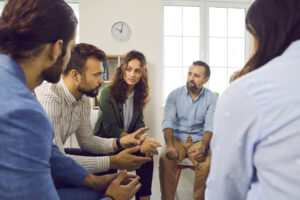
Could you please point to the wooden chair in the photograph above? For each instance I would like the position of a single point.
(184, 164)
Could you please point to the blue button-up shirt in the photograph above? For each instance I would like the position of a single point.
(28, 159)
(188, 117)
(255, 146)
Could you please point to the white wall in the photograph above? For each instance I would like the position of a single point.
(145, 20)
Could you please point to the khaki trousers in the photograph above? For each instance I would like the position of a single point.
(168, 169)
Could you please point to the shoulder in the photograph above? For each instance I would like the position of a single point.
(26, 113)
(49, 92)
(211, 96)
(178, 92)
(105, 91)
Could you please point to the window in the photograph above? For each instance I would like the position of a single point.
(2, 4)
(181, 43)
(226, 45)
(212, 32)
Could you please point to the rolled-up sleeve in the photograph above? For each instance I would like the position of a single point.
(170, 111)
(208, 126)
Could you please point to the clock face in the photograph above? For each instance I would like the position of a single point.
(121, 31)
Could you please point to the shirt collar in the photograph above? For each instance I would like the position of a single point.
(12, 67)
(199, 95)
(70, 99)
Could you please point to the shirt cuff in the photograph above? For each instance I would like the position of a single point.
(103, 163)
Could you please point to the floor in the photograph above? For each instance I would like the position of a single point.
(185, 185)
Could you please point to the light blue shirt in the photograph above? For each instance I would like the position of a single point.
(28, 159)
(188, 117)
(256, 141)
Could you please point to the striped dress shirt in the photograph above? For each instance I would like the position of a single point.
(70, 116)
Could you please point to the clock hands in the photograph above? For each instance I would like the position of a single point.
(120, 30)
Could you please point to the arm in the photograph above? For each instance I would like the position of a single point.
(168, 124)
(208, 126)
(200, 154)
(86, 138)
(232, 147)
(53, 108)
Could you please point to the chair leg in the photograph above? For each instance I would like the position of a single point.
(177, 176)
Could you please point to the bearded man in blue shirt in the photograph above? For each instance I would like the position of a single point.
(187, 128)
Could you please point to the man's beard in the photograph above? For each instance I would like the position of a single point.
(52, 74)
(89, 93)
(193, 89)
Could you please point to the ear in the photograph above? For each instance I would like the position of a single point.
(206, 79)
(75, 75)
(57, 49)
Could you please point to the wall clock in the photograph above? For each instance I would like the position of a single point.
(121, 31)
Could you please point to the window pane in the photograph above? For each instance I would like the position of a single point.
(2, 4)
(218, 80)
(236, 22)
(218, 52)
(172, 20)
(191, 50)
(191, 21)
(217, 22)
(236, 52)
(173, 79)
(185, 71)
(173, 51)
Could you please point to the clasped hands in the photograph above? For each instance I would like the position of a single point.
(134, 142)
(119, 186)
(148, 145)
(198, 154)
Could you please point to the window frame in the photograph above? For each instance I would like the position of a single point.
(204, 28)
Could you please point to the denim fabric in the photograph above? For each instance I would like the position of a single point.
(28, 159)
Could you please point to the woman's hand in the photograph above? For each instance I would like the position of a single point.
(149, 146)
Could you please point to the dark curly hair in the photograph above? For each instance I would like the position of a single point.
(118, 86)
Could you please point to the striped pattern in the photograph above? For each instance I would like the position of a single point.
(69, 116)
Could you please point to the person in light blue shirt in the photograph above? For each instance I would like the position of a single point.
(187, 128)
(255, 147)
(36, 38)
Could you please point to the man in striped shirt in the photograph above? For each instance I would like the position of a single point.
(68, 107)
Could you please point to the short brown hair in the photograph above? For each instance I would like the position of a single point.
(79, 56)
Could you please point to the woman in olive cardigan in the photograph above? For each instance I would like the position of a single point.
(121, 106)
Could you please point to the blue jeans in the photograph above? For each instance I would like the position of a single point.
(74, 193)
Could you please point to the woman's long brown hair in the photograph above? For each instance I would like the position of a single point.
(118, 86)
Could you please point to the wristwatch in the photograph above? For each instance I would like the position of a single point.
(204, 149)
(119, 144)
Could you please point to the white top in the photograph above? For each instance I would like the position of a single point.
(255, 146)
(128, 111)
(69, 116)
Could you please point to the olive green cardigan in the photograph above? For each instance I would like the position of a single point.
(110, 120)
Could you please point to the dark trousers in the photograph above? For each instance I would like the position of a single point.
(145, 172)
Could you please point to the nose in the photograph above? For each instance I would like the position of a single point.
(132, 73)
(100, 80)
